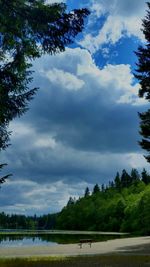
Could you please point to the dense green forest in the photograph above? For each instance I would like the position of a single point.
(15, 221)
(123, 206)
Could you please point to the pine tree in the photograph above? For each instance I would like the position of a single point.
(117, 181)
(145, 177)
(125, 179)
(96, 189)
(87, 192)
(143, 75)
(29, 29)
(111, 184)
(71, 201)
(103, 188)
(135, 177)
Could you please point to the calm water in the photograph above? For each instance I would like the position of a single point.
(22, 240)
(25, 241)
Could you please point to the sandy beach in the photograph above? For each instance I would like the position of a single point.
(126, 245)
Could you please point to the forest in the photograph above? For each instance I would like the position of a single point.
(123, 206)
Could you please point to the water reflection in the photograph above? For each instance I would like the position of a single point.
(23, 241)
(48, 239)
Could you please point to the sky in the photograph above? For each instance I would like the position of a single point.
(82, 126)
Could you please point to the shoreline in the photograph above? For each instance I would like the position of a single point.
(51, 232)
(133, 245)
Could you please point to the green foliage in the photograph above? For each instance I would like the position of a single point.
(96, 189)
(143, 75)
(135, 177)
(121, 206)
(144, 212)
(117, 181)
(125, 179)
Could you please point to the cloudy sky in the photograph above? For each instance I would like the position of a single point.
(82, 126)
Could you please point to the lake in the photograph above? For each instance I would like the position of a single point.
(17, 238)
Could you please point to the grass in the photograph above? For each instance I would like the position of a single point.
(82, 261)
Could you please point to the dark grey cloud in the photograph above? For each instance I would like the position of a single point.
(76, 115)
(81, 128)
(88, 119)
(27, 197)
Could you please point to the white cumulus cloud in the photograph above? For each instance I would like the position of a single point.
(123, 19)
(55, 1)
(64, 79)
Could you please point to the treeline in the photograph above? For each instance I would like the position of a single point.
(123, 205)
(15, 221)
